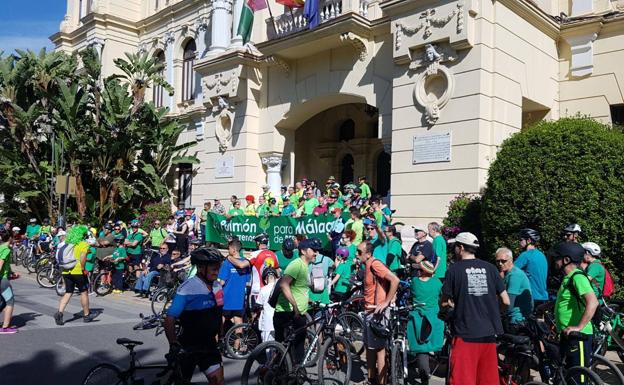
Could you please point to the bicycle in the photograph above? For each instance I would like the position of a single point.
(48, 275)
(240, 340)
(109, 374)
(270, 362)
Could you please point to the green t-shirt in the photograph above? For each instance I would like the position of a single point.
(517, 284)
(380, 249)
(343, 283)
(204, 215)
(90, 262)
(336, 205)
(394, 248)
(597, 273)
(119, 258)
(427, 292)
(298, 270)
(309, 205)
(283, 261)
(262, 210)
(47, 230)
(274, 210)
(358, 227)
(32, 231)
(366, 192)
(439, 248)
(352, 253)
(236, 212)
(132, 237)
(158, 237)
(568, 311)
(5, 255)
(378, 217)
(294, 199)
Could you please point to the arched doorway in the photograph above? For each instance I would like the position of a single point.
(346, 169)
(383, 173)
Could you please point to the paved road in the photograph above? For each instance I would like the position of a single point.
(43, 353)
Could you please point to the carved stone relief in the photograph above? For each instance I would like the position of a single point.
(222, 84)
(224, 119)
(430, 21)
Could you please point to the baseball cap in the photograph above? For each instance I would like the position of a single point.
(368, 222)
(61, 233)
(265, 186)
(465, 238)
(427, 266)
(420, 227)
(572, 250)
(33, 220)
(305, 244)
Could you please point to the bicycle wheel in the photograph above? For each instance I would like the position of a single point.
(334, 366)
(159, 300)
(30, 264)
(59, 287)
(397, 366)
(579, 375)
(269, 363)
(314, 352)
(353, 330)
(103, 284)
(45, 277)
(606, 370)
(243, 335)
(104, 374)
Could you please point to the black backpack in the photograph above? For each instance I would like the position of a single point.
(277, 290)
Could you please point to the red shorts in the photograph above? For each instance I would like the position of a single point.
(473, 363)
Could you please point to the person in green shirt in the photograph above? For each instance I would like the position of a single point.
(347, 240)
(310, 203)
(593, 267)
(439, 248)
(157, 235)
(287, 254)
(235, 210)
(288, 210)
(134, 248)
(575, 306)
(292, 304)
(33, 230)
(376, 208)
(273, 209)
(366, 191)
(377, 239)
(6, 291)
(118, 258)
(326, 264)
(518, 288)
(356, 224)
(395, 249)
(292, 195)
(342, 275)
(263, 208)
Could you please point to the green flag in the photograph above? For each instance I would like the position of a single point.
(247, 17)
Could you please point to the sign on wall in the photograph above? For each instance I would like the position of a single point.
(224, 167)
(431, 148)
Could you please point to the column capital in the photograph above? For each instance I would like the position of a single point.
(168, 38)
(222, 4)
(274, 161)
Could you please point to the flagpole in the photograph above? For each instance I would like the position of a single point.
(272, 18)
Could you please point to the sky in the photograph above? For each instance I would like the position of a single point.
(27, 24)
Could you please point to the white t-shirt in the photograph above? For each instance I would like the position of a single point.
(265, 323)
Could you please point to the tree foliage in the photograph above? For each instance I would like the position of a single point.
(58, 117)
(555, 173)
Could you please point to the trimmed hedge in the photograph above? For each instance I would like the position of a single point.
(554, 173)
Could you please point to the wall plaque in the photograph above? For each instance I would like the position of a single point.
(431, 148)
(224, 167)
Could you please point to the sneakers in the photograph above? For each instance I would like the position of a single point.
(58, 318)
(8, 330)
(87, 318)
(117, 291)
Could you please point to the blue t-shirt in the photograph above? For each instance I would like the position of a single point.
(234, 283)
(518, 286)
(535, 265)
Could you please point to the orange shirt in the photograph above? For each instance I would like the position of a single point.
(379, 280)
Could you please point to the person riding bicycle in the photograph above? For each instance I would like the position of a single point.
(575, 306)
(33, 230)
(198, 306)
(533, 262)
(572, 232)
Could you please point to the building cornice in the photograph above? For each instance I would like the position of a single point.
(90, 23)
(163, 16)
(534, 15)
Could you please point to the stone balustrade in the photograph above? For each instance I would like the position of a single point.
(292, 21)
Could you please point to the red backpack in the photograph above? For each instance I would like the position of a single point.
(609, 285)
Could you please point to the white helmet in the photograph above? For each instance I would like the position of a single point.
(16, 229)
(572, 228)
(592, 248)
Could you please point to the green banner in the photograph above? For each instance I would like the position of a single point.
(219, 227)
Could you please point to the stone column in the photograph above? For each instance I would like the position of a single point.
(98, 44)
(201, 26)
(237, 40)
(169, 40)
(274, 163)
(221, 25)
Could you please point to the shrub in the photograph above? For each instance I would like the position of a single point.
(464, 214)
(555, 173)
(155, 211)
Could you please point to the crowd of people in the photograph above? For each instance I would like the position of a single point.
(463, 291)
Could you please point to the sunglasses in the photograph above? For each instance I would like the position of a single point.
(163, 248)
(359, 252)
(502, 261)
(370, 228)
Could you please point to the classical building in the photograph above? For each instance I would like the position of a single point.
(415, 94)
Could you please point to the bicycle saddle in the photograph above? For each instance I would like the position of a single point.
(128, 343)
(516, 340)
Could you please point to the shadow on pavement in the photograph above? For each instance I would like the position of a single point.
(20, 320)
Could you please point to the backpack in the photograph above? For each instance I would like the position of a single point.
(65, 256)
(570, 285)
(318, 281)
(277, 290)
(609, 284)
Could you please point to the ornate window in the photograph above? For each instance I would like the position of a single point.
(347, 131)
(188, 75)
(159, 92)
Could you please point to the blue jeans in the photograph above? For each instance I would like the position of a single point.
(144, 281)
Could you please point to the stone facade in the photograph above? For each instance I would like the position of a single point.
(374, 81)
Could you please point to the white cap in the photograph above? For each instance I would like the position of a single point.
(465, 238)
(420, 227)
(16, 229)
(61, 233)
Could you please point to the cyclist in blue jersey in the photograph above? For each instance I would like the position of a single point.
(533, 262)
(198, 306)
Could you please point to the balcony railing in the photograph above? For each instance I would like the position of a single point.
(292, 21)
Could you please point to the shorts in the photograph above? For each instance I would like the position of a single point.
(75, 281)
(233, 313)
(371, 340)
(7, 291)
(208, 363)
(134, 259)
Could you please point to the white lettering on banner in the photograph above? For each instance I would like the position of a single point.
(314, 227)
(432, 147)
(477, 282)
(238, 227)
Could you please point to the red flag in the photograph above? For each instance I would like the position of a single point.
(257, 5)
(291, 3)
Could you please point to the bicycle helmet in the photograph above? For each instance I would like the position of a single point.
(379, 329)
(531, 234)
(592, 248)
(315, 244)
(16, 229)
(572, 250)
(343, 252)
(572, 228)
(33, 220)
(119, 238)
(289, 244)
(266, 272)
(262, 239)
(134, 223)
(205, 256)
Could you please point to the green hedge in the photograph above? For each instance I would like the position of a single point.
(554, 173)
